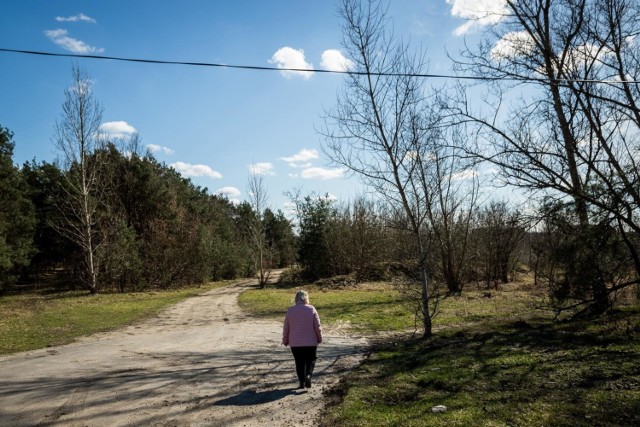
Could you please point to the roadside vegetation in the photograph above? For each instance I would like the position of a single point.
(365, 309)
(497, 358)
(37, 320)
(492, 372)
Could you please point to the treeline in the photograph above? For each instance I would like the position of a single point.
(480, 247)
(152, 228)
(149, 227)
(364, 240)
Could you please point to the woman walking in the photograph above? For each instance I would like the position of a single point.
(302, 332)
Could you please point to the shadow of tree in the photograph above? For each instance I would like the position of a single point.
(176, 384)
(581, 373)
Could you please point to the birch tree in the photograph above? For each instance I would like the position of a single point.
(77, 137)
(258, 199)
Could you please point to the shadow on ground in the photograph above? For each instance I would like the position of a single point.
(252, 397)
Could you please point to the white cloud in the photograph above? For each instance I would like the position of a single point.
(61, 38)
(228, 192)
(588, 54)
(511, 45)
(464, 175)
(302, 159)
(290, 209)
(334, 60)
(478, 13)
(301, 165)
(631, 40)
(519, 43)
(287, 57)
(188, 169)
(322, 173)
(261, 169)
(76, 18)
(117, 130)
(159, 149)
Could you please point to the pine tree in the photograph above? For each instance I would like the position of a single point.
(17, 216)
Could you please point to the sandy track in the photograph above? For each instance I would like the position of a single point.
(202, 362)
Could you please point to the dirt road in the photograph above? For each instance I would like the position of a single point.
(202, 362)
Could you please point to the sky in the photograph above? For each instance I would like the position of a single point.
(215, 126)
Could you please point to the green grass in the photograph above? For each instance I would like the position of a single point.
(494, 361)
(366, 309)
(498, 361)
(472, 307)
(503, 366)
(33, 321)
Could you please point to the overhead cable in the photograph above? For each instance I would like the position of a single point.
(309, 70)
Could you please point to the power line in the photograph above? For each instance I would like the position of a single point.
(243, 67)
(305, 70)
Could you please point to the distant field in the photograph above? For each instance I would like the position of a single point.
(379, 307)
(365, 309)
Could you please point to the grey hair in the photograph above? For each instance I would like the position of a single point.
(302, 296)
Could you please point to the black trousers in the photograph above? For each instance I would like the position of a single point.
(305, 358)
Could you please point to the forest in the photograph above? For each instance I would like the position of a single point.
(136, 225)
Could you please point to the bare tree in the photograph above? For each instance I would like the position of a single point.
(499, 231)
(368, 243)
(573, 135)
(358, 239)
(452, 190)
(258, 199)
(381, 127)
(77, 138)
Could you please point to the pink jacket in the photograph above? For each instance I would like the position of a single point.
(302, 326)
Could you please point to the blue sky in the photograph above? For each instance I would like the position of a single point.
(211, 124)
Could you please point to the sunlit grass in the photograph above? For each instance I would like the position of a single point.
(379, 307)
(495, 360)
(501, 364)
(371, 308)
(33, 321)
